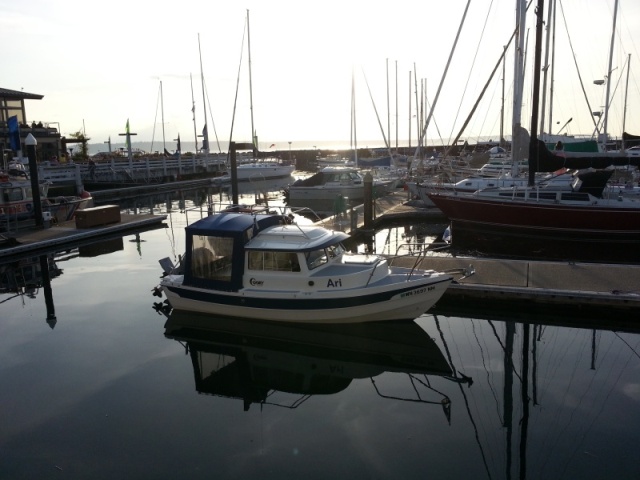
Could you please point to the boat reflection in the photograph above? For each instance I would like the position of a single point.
(252, 360)
(25, 276)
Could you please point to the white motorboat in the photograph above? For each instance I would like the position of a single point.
(263, 170)
(333, 188)
(263, 266)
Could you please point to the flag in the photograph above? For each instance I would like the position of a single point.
(205, 139)
(272, 145)
(14, 133)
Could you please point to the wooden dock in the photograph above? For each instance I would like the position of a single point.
(33, 241)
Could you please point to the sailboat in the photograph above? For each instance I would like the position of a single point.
(575, 217)
(257, 169)
(335, 188)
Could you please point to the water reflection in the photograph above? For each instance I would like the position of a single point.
(530, 395)
(547, 396)
(532, 399)
(284, 364)
(24, 276)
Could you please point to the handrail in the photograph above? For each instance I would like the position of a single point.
(373, 269)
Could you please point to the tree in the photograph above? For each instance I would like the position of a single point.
(82, 152)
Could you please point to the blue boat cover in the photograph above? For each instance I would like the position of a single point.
(228, 224)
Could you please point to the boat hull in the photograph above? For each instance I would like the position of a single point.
(258, 171)
(331, 200)
(550, 232)
(394, 301)
(552, 220)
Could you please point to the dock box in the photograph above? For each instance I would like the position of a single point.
(95, 216)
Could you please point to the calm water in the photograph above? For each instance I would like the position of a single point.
(108, 393)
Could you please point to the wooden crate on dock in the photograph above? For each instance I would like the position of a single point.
(96, 216)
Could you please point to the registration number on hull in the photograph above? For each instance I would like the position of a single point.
(417, 291)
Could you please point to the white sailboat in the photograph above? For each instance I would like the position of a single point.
(256, 169)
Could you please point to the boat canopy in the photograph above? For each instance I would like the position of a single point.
(295, 239)
(214, 256)
(230, 223)
(546, 161)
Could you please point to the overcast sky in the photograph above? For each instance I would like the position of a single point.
(98, 65)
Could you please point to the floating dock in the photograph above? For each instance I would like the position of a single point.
(33, 241)
(577, 288)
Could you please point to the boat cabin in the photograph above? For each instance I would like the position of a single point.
(221, 248)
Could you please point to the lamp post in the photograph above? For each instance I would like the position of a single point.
(31, 143)
(289, 152)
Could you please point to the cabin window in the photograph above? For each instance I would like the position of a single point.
(273, 261)
(13, 194)
(316, 258)
(211, 257)
(576, 196)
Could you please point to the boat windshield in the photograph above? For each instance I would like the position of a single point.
(335, 250)
(316, 258)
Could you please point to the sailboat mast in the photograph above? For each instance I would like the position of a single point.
(253, 132)
(518, 68)
(193, 111)
(409, 119)
(205, 133)
(502, 102)
(553, 66)
(606, 108)
(546, 65)
(164, 144)
(418, 111)
(535, 102)
(425, 126)
(624, 114)
(353, 121)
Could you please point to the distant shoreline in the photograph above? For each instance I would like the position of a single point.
(275, 147)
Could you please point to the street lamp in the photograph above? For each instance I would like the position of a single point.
(289, 151)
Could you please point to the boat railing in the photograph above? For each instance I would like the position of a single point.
(417, 252)
(375, 266)
(423, 254)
